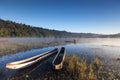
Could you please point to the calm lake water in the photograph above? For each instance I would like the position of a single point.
(107, 49)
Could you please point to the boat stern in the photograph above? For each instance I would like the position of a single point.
(58, 67)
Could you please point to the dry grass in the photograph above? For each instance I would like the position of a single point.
(80, 70)
(75, 69)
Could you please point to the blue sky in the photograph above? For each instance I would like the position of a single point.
(94, 16)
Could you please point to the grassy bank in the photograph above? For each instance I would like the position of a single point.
(75, 69)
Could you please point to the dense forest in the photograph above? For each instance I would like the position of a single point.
(13, 29)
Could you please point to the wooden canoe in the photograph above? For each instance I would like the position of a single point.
(29, 61)
(59, 59)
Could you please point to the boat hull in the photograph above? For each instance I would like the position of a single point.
(58, 60)
(27, 62)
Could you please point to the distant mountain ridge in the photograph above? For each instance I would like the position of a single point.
(13, 29)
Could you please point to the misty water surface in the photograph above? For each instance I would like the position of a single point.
(88, 48)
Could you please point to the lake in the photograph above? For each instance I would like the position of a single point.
(87, 48)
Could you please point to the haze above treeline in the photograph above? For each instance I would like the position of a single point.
(12, 29)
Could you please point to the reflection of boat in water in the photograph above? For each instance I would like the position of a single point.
(27, 62)
(59, 59)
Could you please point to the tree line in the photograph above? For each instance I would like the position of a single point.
(12, 29)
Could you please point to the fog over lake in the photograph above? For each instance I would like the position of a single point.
(106, 48)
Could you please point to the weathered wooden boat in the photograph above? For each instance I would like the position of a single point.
(29, 61)
(59, 59)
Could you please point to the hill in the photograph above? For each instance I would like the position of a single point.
(13, 29)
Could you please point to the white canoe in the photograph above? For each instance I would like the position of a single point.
(59, 59)
(29, 61)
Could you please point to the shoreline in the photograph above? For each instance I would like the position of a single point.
(24, 46)
(74, 68)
